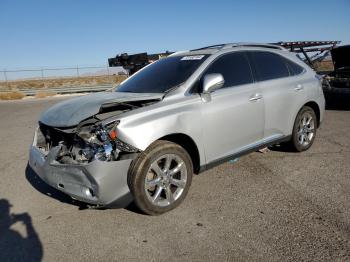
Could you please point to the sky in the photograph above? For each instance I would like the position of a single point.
(36, 34)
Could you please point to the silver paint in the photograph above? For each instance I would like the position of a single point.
(221, 123)
(71, 112)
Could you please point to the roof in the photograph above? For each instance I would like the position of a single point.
(209, 50)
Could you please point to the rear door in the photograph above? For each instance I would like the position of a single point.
(234, 118)
(282, 91)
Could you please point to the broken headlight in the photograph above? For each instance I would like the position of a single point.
(96, 142)
(103, 143)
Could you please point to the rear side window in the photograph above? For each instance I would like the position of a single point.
(269, 65)
(294, 69)
(234, 67)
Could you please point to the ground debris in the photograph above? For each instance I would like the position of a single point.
(264, 150)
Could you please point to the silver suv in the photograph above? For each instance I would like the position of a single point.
(175, 117)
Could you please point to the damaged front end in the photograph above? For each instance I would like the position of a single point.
(76, 148)
(85, 143)
(87, 162)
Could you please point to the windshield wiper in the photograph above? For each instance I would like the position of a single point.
(172, 88)
(126, 91)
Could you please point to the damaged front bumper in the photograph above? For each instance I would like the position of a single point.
(98, 182)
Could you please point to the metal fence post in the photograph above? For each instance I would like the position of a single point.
(109, 76)
(5, 75)
(42, 77)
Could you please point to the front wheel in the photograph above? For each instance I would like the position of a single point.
(160, 177)
(304, 130)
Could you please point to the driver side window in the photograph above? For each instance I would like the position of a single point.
(234, 67)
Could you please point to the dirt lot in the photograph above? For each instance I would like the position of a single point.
(277, 206)
(58, 82)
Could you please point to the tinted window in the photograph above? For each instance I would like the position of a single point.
(234, 68)
(269, 65)
(162, 75)
(294, 69)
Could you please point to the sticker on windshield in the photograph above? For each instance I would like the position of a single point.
(192, 57)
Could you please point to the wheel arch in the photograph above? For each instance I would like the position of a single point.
(316, 109)
(188, 144)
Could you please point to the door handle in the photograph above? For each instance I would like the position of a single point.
(255, 97)
(299, 87)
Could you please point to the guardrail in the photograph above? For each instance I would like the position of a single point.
(64, 90)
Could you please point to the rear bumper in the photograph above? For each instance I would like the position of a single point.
(98, 182)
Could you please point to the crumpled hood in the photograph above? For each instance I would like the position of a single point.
(71, 112)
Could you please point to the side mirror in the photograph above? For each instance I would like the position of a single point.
(211, 82)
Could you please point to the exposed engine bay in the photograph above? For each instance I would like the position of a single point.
(91, 139)
(84, 143)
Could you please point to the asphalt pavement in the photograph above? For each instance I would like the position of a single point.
(274, 206)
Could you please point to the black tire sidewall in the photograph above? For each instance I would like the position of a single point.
(140, 166)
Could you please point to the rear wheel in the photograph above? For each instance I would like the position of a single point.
(304, 130)
(160, 177)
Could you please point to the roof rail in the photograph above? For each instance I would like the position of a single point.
(272, 46)
(219, 46)
(231, 45)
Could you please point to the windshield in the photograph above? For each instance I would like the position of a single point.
(162, 75)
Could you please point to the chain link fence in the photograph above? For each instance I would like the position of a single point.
(60, 77)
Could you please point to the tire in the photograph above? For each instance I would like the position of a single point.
(155, 187)
(304, 129)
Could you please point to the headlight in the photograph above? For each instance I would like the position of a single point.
(102, 143)
(108, 131)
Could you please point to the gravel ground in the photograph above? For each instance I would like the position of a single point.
(276, 206)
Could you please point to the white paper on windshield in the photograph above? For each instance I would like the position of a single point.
(192, 57)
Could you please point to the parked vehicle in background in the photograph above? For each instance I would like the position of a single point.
(174, 118)
(339, 79)
(336, 72)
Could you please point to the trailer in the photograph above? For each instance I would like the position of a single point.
(133, 63)
(335, 80)
(318, 48)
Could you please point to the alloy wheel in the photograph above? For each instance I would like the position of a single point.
(166, 180)
(306, 129)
